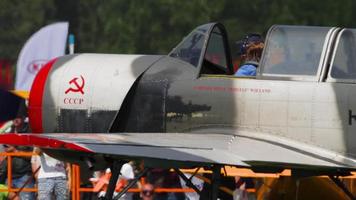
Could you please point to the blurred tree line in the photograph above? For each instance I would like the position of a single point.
(156, 26)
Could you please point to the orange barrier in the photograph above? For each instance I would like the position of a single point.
(102, 184)
(74, 180)
(9, 172)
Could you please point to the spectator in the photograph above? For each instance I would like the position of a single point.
(242, 184)
(101, 180)
(21, 173)
(163, 178)
(127, 174)
(20, 125)
(51, 178)
(147, 192)
(198, 184)
(250, 52)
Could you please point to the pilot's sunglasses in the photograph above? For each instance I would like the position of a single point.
(5, 146)
(147, 193)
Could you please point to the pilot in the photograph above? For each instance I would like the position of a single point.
(250, 50)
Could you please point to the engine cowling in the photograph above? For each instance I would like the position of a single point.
(83, 92)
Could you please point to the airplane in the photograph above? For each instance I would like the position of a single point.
(187, 109)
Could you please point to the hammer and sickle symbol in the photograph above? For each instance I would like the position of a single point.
(77, 87)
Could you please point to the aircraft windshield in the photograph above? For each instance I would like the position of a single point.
(215, 52)
(293, 50)
(189, 50)
(344, 65)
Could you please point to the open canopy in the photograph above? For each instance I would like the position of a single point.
(291, 52)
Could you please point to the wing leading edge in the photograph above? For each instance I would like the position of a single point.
(197, 148)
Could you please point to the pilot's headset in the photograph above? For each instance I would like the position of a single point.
(250, 38)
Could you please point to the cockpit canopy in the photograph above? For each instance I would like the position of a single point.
(290, 53)
(206, 48)
(344, 59)
(293, 50)
(190, 49)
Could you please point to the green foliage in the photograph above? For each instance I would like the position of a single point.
(156, 26)
(18, 20)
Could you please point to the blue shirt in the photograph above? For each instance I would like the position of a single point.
(246, 70)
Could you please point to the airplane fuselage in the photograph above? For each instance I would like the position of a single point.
(160, 101)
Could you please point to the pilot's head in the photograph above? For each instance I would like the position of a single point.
(250, 39)
(254, 52)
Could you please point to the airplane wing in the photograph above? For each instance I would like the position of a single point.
(186, 148)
